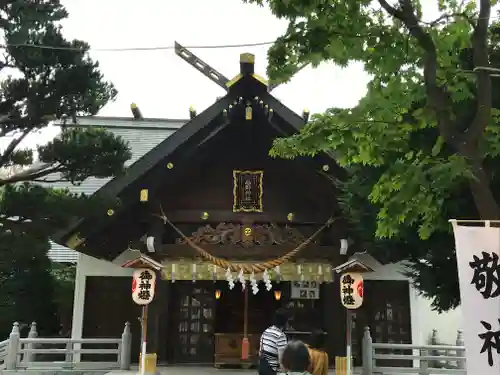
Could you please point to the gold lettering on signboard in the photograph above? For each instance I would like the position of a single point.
(247, 191)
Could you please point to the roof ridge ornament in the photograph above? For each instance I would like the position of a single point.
(201, 66)
(247, 63)
(247, 67)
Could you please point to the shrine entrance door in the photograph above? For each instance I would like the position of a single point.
(194, 322)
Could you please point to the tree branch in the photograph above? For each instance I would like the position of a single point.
(391, 10)
(17, 224)
(446, 16)
(6, 65)
(12, 146)
(46, 180)
(438, 99)
(31, 174)
(479, 41)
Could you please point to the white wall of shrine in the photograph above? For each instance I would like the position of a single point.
(423, 319)
(89, 266)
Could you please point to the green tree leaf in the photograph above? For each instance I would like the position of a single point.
(423, 127)
(49, 84)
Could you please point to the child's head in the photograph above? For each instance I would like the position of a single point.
(317, 339)
(295, 357)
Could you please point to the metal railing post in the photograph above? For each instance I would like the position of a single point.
(13, 348)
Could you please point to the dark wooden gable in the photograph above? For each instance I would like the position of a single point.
(191, 172)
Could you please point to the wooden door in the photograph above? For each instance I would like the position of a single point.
(386, 310)
(195, 320)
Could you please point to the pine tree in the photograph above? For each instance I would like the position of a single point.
(44, 84)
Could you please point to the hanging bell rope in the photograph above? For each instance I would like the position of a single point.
(247, 268)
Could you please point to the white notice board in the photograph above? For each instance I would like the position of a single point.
(304, 290)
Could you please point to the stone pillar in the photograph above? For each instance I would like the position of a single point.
(33, 334)
(126, 348)
(367, 353)
(460, 352)
(13, 348)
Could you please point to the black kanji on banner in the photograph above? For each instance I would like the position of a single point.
(491, 341)
(145, 285)
(486, 278)
(347, 290)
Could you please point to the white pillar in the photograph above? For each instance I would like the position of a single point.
(416, 329)
(78, 304)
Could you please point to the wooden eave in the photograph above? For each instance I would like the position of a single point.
(185, 141)
(353, 265)
(202, 124)
(143, 261)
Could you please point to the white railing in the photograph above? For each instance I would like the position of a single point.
(34, 352)
(420, 359)
(3, 352)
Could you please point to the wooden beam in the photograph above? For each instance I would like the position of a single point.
(201, 66)
(219, 216)
(255, 253)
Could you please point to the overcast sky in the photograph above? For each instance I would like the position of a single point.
(163, 85)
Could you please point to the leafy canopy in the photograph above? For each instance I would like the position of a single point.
(418, 82)
(42, 85)
(422, 145)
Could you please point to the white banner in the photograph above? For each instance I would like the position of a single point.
(478, 252)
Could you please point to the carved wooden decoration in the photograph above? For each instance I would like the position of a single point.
(247, 191)
(245, 235)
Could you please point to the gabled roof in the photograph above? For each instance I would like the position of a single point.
(166, 147)
(142, 135)
(247, 86)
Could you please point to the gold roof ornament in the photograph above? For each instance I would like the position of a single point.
(75, 241)
(305, 115)
(136, 112)
(192, 112)
(247, 58)
(144, 195)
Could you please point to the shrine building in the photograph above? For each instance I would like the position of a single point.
(204, 198)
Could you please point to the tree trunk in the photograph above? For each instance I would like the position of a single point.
(484, 200)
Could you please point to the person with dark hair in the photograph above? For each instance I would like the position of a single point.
(272, 343)
(296, 358)
(319, 357)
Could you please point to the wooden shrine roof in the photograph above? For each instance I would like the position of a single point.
(183, 143)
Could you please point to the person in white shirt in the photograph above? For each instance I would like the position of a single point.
(272, 344)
